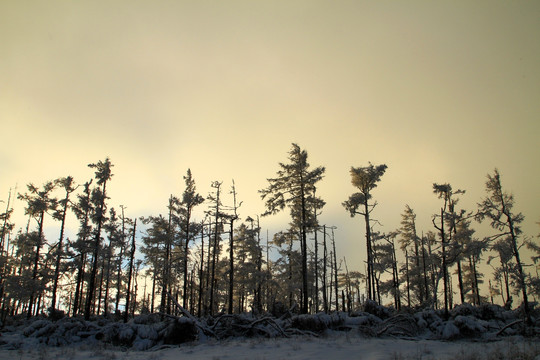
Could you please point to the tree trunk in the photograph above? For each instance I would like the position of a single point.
(97, 241)
(36, 264)
(370, 275)
(475, 273)
(186, 250)
(79, 284)
(304, 248)
(460, 281)
(130, 271)
(407, 278)
(335, 270)
(59, 251)
(120, 258)
(231, 270)
(324, 288)
(215, 251)
(426, 290)
(107, 279)
(444, 266)
(316, 268)
(201, 278)
(519, 265)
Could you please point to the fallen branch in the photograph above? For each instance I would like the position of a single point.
(186, 313)
(289, 312)
(507, 326)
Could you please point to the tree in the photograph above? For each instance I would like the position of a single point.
(365, 179)
(497, 207)
(130, 270)
(68, 184)
(248, 272)
(294, 187)
(287, 268)
(7, 226)
(114, 233)
(232, 218)
(215, 250)
(409, 241)
(385, 260)
(190, 199)
(504, 273)
(447, 217)
(83, 210)
(154, 247)
(471, 250)
(103, 174)
(39, 203)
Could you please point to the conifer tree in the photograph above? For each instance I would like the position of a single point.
(39, 202)
(232, 217)
(130, 269)
(122, 237)
(83, 210)
(190, 199)
(215, 249)
(68, 184)
(294, 187)
(410, 244)
(7, 227)
(446, 218)
(365, 179)
(497, 207)
(103, 174)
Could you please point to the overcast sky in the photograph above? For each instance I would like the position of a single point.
(438, 91)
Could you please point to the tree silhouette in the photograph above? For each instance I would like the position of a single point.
(365, 179)
(497, 207)
(294, 187)
(103, 174)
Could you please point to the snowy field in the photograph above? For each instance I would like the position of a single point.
(330, 347)
(469, 333)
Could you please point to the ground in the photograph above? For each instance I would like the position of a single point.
(329, 347)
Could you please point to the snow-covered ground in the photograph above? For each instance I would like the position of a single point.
(331, 347)
(470, 333)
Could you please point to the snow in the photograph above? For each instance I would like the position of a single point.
(332, 346)
(375, 333)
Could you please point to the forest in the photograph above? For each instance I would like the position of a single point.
(220, 264)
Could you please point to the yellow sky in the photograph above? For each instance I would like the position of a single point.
(440, 92)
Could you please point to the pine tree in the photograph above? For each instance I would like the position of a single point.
(503, 273)
(190, 199)
(103, 174)
(154, 246)
(7, 227)
(232, 217)
(497, 207)
(39, 203)
(83, 210)
(410, 244)
(287, 268)
(294, 187)
(446, 228)
(215, 249)
(68, 184)
(365, 179)
(471, 250)
(130, 270)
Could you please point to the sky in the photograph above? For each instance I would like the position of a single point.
(439, 91)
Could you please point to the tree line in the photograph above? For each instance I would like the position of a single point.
(220, 262)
